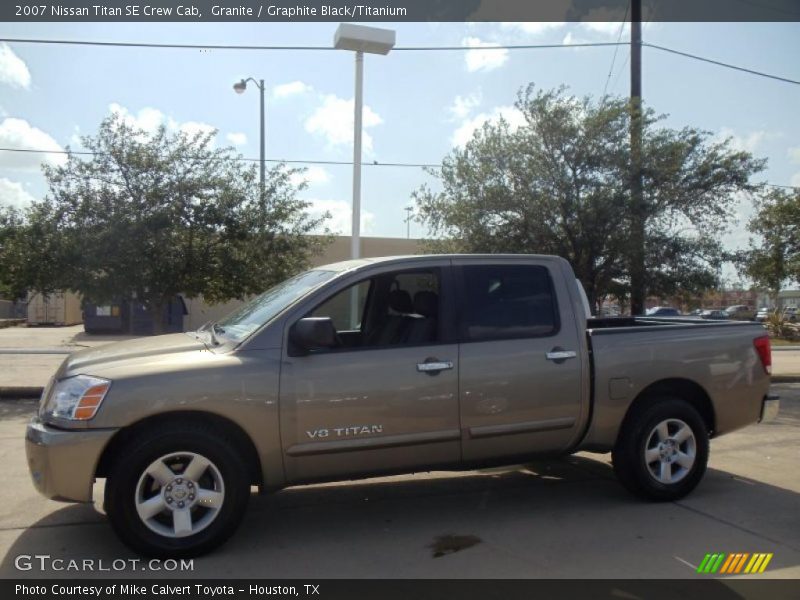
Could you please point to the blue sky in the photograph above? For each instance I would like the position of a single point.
(418, 104)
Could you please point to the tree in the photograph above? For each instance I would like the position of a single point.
(153, 215)
(774, 257)
(560, 184)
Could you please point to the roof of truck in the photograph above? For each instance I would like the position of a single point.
(357, 263)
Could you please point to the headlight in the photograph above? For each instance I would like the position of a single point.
(76, 398)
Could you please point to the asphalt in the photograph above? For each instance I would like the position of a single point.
(562, 518)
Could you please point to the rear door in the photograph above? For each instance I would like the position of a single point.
(521, 367)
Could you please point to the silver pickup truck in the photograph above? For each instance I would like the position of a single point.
(384, 366)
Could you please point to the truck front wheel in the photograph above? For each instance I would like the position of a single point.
(662, 450)
(177, 490)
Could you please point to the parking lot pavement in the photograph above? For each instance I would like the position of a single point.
(30, 355)
(558, 518)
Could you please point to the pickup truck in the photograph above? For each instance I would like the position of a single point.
(389, 365)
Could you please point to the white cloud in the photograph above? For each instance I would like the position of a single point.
(191, 128)
(749, 142)
(463, 105)
(795, 180)
(236, 138)
(293, 88)
(607, 28)
(794, 154)
(313, 175)
(333, 120)
(150, 119)
(341, 216)
(18, 133)
(534, 28)
(511, 114)
(13, 70)
(13, 194)
(483, 60)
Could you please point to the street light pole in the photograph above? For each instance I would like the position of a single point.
(360, 39)
(263, 174)
(355, 238)
(240, 87)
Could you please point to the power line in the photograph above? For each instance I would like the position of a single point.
(616, 49)
(301, 162)
(294, 48)
(241, 158)
(397, 49)
(720, 63)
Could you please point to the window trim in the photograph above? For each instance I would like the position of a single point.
(461, 332)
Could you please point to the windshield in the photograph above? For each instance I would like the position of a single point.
(263, 308)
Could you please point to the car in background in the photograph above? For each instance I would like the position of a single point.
(663, 311)
(764, 313)
(716, 314)
(790, 314)
(740, 312)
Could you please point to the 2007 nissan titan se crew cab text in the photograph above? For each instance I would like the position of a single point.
(388, 365)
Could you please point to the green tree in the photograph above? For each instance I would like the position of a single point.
(560, 184)
(153, 215)
(774, 256)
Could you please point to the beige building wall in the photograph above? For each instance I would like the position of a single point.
(199, 312)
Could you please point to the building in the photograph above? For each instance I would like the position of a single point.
(200, 312)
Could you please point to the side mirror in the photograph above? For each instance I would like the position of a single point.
(312, 333)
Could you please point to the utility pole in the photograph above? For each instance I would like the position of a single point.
(637, 208)
(409, 210)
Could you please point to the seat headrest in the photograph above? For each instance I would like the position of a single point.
(426, 303)
(400, 301)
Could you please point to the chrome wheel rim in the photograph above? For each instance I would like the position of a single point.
(179, 494)
(670, 451)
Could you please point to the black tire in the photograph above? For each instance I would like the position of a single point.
(630, 464)
(148, 447)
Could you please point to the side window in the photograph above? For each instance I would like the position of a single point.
(346, 309)
(390, 309)
(507, 301)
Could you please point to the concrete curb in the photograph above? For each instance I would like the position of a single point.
(786, 379)
(19, 392)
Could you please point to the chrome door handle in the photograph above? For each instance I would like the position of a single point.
(434, 366)
(561, 355)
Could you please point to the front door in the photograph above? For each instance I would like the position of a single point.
(385, 398)
(521, 369)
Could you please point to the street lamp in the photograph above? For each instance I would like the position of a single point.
(360, 39)
(240, 87)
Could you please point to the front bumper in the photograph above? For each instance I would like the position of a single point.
(769, 408)
(62, 463)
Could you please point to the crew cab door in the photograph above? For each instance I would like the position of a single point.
(521, 366)
(385, 398)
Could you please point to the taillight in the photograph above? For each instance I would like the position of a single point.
(764, 352)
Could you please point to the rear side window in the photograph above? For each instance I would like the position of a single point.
(507, 301)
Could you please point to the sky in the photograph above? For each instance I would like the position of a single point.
(418, 105)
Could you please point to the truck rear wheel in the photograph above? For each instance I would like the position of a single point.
(662, 450)
(177, 490)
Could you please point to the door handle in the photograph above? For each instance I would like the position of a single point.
(559, 355)
(435, 366)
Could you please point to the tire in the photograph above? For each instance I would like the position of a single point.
(171, 464)
(662, 450)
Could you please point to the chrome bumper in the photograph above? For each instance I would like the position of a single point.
(769, 408)
(62, 463)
